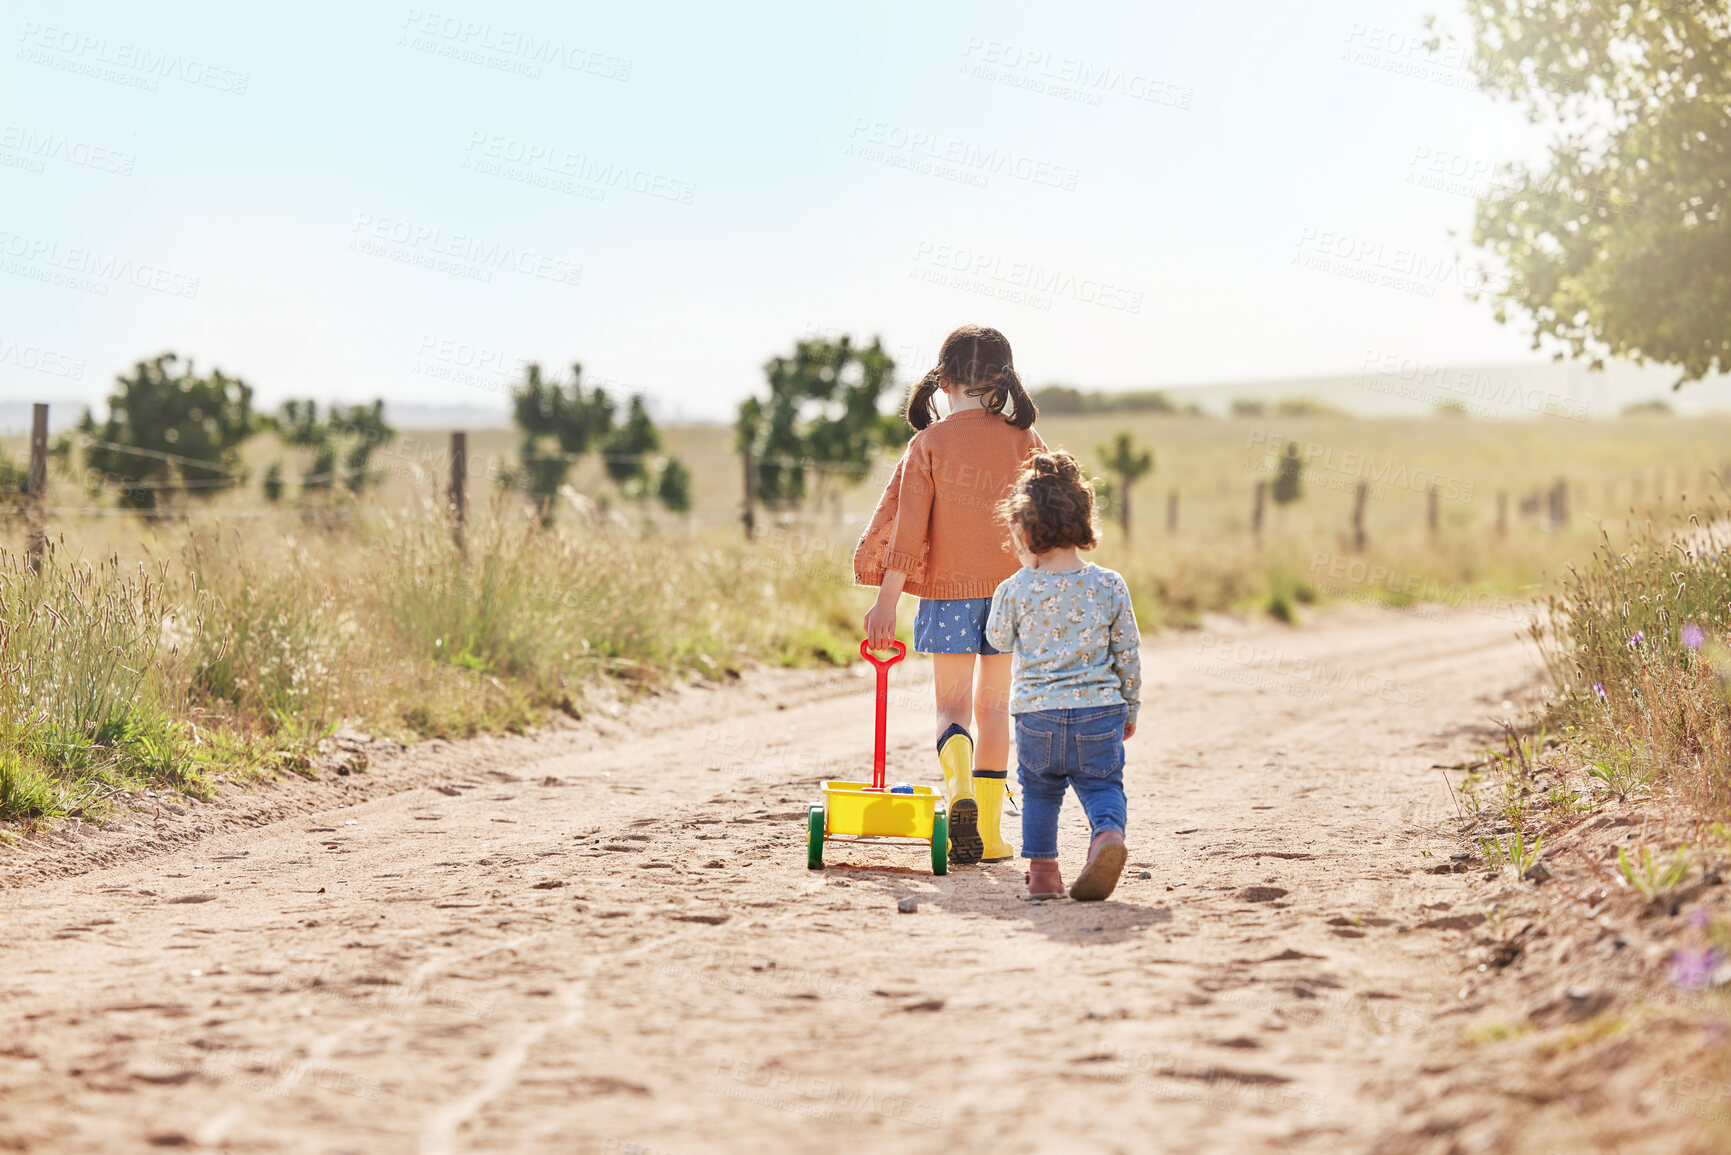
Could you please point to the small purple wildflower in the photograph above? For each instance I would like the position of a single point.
(1640, 636)
(1599, 689)
(1692, 967)
(1693, 635)
(1698, 919)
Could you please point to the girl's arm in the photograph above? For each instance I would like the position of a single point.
(868, 555)
(880, 620)
(913, 512)
(1126, 646)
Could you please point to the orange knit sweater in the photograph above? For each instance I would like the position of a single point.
(936, 520)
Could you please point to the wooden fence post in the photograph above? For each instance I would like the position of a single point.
(1360, 495)
(1502, 513)
(1433, 510)
(36, 520)
(1172, 511)
(460, 482)
(1256, 511)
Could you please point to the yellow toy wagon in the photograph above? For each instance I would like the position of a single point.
(870, 811)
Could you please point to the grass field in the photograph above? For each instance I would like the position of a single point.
(1617, 472)
(248, 631)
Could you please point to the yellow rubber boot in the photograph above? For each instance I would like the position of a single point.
(956, 757)
(990, 789)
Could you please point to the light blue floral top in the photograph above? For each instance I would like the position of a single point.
(1074, 636)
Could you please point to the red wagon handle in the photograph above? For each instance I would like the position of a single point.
(883, 668)
(865, 651)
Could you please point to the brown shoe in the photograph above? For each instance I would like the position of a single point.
(1106, 855)
(1044, 880)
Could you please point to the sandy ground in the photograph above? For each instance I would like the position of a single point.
(605, 938)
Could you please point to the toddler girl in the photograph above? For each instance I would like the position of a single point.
(1078, 674)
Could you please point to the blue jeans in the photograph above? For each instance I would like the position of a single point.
(1082, 748)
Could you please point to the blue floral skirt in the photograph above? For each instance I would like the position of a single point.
(953, 626)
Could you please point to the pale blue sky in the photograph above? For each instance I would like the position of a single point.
(1150, 224)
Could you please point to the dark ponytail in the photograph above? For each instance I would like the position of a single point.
(1023, 411)
(978, 359)
(922, 407)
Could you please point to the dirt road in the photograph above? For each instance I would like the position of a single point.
(608, 941)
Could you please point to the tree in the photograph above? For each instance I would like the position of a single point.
(628, 453)
(1620, 244)
(674, 489)
(170, 431)
(747, 428)
(360, 429)
(628, 447)
(349, 435)
(1129, 464)
(273, 482)
(1288, 476)
(822, 416)
(559, 424)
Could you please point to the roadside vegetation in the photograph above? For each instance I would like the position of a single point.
(218, 651)
(203, 628)
(1638, 640)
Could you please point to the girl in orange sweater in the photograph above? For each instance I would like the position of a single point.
(934, 534)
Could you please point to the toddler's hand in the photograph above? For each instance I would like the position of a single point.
(1129, 730)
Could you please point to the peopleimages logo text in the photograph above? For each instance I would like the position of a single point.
(1365, 466)
(1026, 275)
(583, 167)
(464, 247)
(945, 149)
(40, 360)
(1085, 75)
(513, 43)
(91, 269)
(1367, 258)
(1472, 385)
(42, 146)
(93, 49)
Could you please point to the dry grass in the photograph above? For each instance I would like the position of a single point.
(235, 637)
(214, 647)
(1638, 639)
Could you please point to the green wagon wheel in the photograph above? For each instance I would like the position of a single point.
(941, 843)
(814, 839)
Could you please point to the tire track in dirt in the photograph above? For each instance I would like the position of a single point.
(637, 954)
